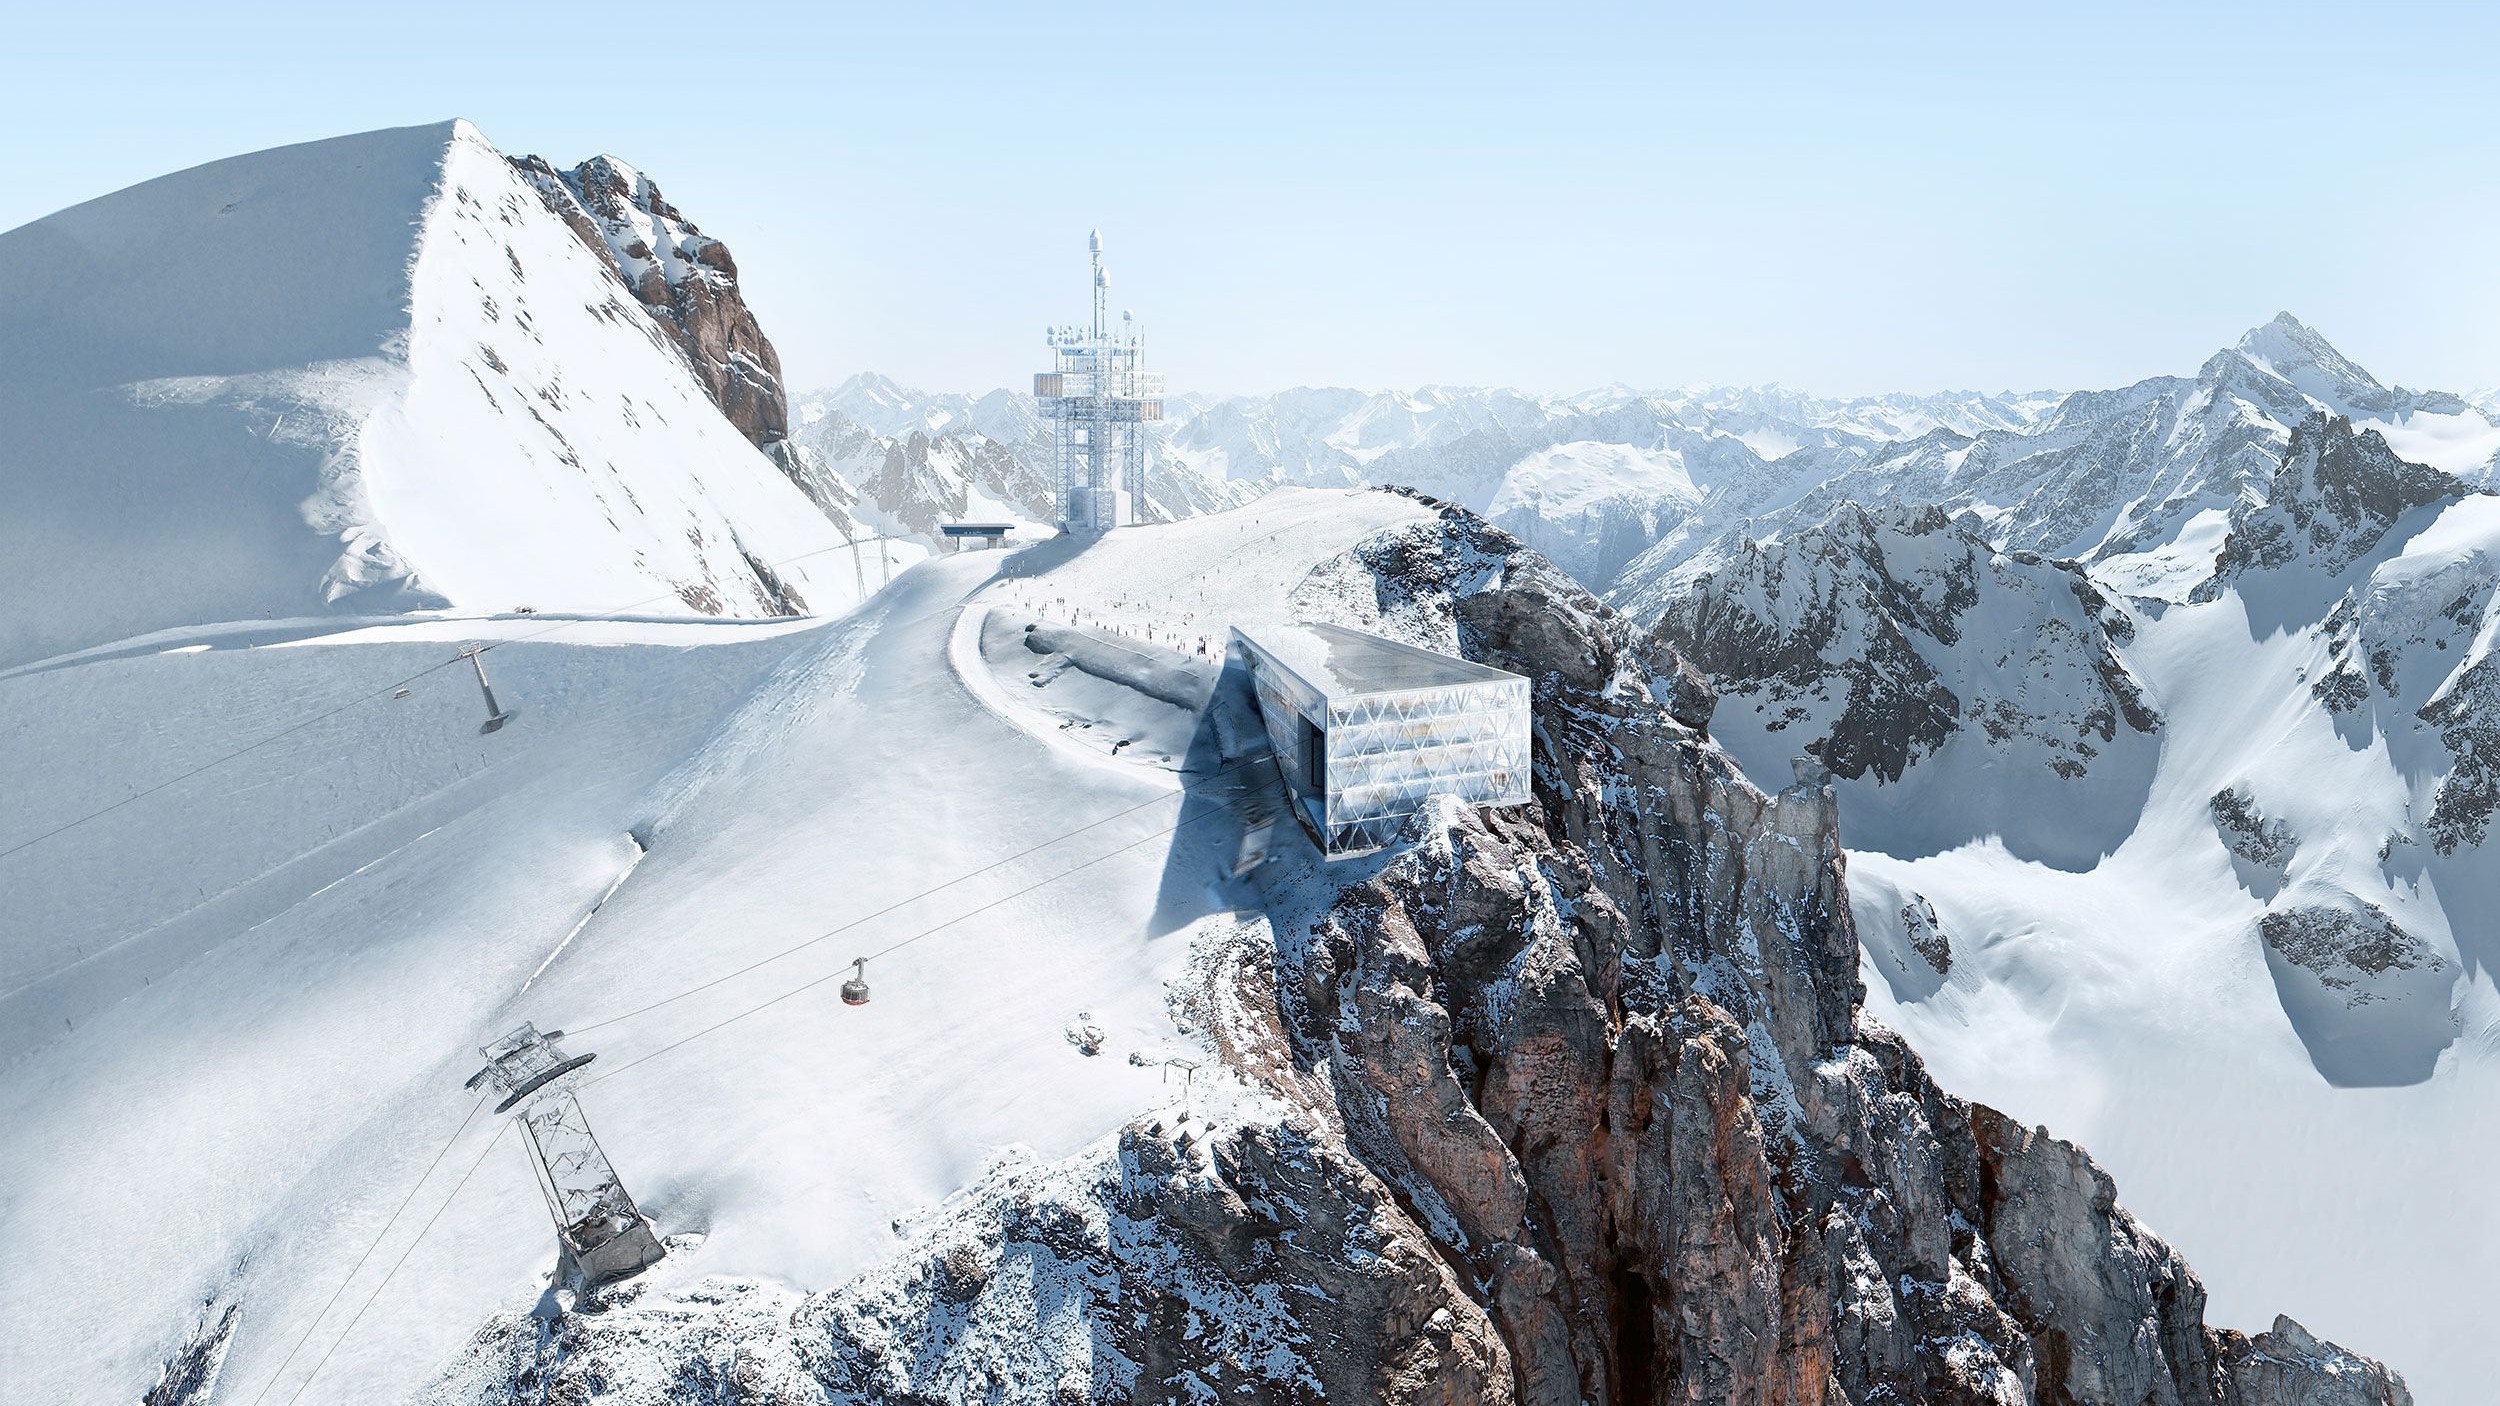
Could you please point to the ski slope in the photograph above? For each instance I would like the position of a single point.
(239, 1012)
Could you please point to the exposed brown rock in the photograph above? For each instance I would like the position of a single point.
(1738, 1189)
(1583, 1108)
(685, 279)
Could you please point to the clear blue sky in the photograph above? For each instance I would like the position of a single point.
(1843, 198)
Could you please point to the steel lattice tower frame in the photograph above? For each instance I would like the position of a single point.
(600, 1233)
(1098, 398)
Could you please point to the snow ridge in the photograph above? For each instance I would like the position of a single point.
(374, 374)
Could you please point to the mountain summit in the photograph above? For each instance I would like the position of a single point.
(364, 375)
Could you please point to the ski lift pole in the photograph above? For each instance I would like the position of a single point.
(496, 717)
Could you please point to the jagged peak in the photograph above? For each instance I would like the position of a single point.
(2327, 455)
(2337, 495)
(2293, 351)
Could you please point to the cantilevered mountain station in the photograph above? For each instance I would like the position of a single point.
(1366, 729)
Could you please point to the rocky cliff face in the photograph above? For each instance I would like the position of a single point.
(1611, 1053)
(1873, 639)
(681, 276)
(2411, 643)
(1569, 1103)
(2333, 501)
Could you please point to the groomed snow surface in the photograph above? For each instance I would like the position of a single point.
(240, 1010)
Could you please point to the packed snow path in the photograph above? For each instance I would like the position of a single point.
(307, 946)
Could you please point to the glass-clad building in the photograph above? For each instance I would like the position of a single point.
(1366, 729)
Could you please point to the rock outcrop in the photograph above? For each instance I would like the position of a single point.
(1570, 1103)
(1180, 1262)
(682, 277)
(1610, 1051)
(2333, 501)
(189, 1376)
(1850, 638)
(2248, 833)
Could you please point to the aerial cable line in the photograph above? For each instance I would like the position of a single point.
(506, 1125)
(389, 688)
(211, 765)
(893, 947)
(422, 1232)
(910, 899)
(378, 1237)
(480, 1159)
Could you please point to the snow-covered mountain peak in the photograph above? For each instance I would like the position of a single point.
(2289, 348)
(1911, 657)
(367, 374)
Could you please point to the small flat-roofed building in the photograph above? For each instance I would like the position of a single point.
(974, 536)
(1366, 730)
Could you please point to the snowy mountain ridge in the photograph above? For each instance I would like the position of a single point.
(2144, 474)
(2138, 481)
(2206, 876)
(368, 375)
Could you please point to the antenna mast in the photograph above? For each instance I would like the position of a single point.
(1098, 397)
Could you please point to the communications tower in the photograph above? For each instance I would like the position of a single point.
(1097, 399)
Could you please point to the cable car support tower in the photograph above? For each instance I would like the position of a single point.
(601, 1234)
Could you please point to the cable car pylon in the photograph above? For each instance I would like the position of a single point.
(496, 717)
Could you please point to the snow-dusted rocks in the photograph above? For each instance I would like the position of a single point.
(1899, 647)
(2334, 500)
(1566, 1104)
(682, 276)
(2261, 848)
(2362, 983)
(1179, 1260)
(2287, 1364)
(364, 375)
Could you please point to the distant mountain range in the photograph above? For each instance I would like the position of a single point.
(2162, 725)
(1623, 487)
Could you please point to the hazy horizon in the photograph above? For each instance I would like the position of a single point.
(1832, 200)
